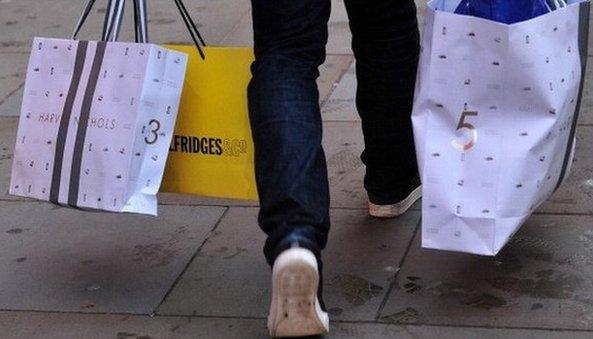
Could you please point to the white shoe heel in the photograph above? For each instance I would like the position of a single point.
(295, 309)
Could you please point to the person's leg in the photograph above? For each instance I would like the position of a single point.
(291, 173)
(386, 46)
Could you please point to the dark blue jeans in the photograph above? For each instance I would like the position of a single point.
(291, 172)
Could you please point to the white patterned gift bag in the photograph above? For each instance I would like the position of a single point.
(96, 123)
(495, 115)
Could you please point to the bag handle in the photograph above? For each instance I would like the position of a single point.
(191, 27)
(140, 21)
(556, 4)
(114, 18)
(83, 17)
(141, 24)
(108, 18)
(112, 22)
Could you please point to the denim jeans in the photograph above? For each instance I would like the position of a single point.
(291, 173)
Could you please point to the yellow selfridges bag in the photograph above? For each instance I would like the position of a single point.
(211, 152)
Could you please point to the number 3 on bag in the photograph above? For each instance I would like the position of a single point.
(155, 126)
(467, 134)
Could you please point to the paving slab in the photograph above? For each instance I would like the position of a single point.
(340, 38)
(343, 144)
(230, 276)
(13, 67)
(242, 34)
(542, 279)
(19, 325)
(586, 115)
(576, 195)
(91, 326)
(338, 13)
(22, 20)
(341, 105)
(216, 19)
(8, 128)
(61, 259)
(11, 105)
(344, 330)
(165, 198)
(330, 74)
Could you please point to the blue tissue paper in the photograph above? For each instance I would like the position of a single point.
(505, 11)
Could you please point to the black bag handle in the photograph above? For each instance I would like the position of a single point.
(114, 16)
(191, 27)
(140, 22)
(84, 15)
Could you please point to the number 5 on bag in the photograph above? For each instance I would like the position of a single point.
(211, 153)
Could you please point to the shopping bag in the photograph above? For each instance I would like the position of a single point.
(495, 114)
(211, 153)
(96, 122)
(506, 11)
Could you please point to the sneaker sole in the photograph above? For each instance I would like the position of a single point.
(295, 310)
(395, 210)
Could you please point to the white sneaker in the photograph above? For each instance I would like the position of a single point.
(395, 210)
(295, 310)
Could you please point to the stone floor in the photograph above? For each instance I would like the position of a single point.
(197, 270)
